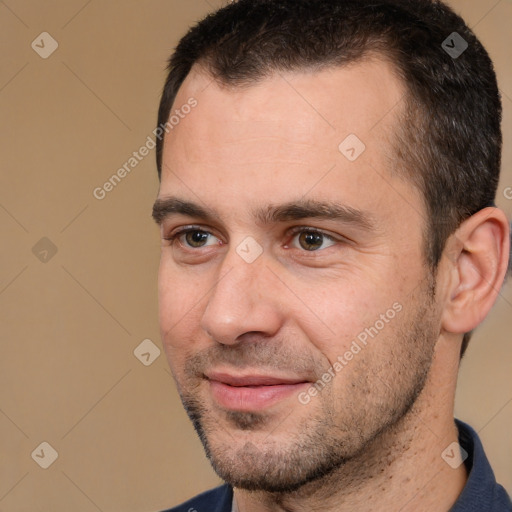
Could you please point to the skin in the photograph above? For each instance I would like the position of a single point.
(372, 438)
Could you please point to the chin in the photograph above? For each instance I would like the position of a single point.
(254, 469)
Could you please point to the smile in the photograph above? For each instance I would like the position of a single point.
(252, 392)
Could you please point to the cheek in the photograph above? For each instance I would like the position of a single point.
(178, 306)
(341, 310)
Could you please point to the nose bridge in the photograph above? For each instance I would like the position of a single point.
(241, 299)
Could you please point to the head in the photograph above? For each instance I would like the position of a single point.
(351, 119)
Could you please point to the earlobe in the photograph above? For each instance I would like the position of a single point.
(479, 252)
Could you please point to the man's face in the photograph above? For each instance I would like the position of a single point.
(254, 309)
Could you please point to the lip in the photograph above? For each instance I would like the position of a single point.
(252, 392)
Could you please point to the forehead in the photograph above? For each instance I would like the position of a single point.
(334, 101)
(292, 130)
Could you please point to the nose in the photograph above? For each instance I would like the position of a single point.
(244, 299)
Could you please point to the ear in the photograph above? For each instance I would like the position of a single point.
(479, 253)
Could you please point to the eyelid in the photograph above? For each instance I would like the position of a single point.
(311, 229)
(174, 234)
(294, 230)
(182, 229)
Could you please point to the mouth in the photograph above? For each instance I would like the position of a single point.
(252, 392)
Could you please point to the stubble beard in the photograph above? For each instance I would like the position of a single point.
(281, 456)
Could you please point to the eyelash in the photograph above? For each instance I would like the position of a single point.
(299, 229)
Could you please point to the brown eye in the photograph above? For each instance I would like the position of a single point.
(196, 238)
(192, 238)
(312, 240)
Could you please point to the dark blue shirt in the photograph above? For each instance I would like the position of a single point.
(480, 494)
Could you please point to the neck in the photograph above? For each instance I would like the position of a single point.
(401, 469)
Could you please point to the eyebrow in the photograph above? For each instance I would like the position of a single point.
(290, 211)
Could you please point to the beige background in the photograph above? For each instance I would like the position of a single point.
(69, 326)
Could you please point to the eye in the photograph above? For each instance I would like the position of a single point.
(311, 239)
(194, 238)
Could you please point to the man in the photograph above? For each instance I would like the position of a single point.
(329, 243)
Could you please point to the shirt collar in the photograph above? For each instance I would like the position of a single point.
(481, 491)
